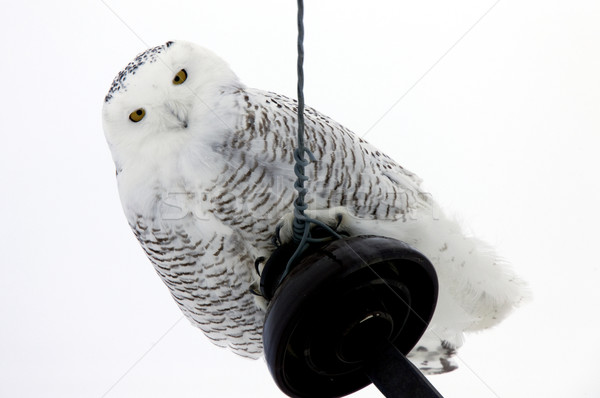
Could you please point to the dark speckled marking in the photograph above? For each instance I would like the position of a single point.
(149, 56)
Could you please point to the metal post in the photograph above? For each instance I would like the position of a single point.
(396, 377)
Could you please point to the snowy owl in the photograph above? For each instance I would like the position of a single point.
(205, 174)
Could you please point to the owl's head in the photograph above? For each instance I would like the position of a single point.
(163, 98)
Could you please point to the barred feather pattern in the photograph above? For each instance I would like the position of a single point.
(205, 178)
(250, 196)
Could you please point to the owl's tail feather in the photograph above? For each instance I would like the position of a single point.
(477, 288)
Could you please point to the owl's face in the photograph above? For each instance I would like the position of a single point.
(162, 99)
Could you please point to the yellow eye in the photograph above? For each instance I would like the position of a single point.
(180, 77)
(137, 115)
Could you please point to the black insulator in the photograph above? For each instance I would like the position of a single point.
(342, 308)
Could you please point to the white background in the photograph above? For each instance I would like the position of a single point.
(504, 129)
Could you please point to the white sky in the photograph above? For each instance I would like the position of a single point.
(505, 130)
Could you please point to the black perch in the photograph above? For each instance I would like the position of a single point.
(346, 316)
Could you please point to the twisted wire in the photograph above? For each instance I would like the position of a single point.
(301, 225)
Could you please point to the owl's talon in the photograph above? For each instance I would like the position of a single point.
(254, 292)
(257, 263)
(276, 239)
(339, 217)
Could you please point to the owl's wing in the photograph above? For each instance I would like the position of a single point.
(348, 171)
